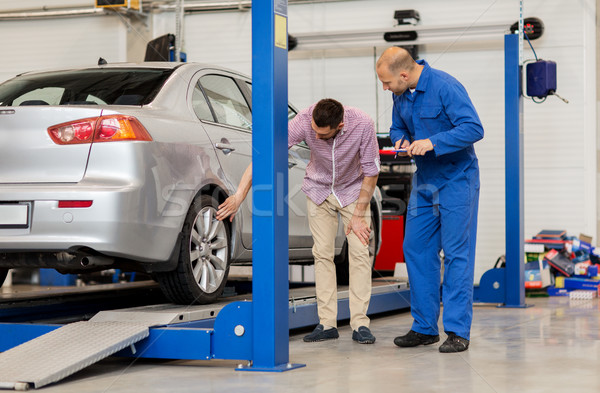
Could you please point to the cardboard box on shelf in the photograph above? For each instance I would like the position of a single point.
(560, 262)
(537, 275)
(554, 291)
(580, 294)
(581, 283)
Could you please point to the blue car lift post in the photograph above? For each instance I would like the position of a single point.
(270, 258)
(507, 285)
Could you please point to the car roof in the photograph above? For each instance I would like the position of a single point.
(148, 64)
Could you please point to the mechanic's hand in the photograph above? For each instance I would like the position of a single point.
(229, 208)
(402, 144)
(419, 148)
(360, 229)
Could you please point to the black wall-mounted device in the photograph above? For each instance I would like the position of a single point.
(533, 27)
(407, 17)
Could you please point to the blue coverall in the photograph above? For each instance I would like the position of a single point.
(442, 210)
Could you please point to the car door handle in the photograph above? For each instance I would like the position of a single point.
(291, 164)
(226, 147)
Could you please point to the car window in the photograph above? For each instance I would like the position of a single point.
(291, 112)
(42, 96)
(91, 98)
(303, 144)
(200, 105)
(227, 101)
(106, 86)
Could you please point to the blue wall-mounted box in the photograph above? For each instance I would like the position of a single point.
(541, 78)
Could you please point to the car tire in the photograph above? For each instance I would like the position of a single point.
(342, 267)
(204, 257)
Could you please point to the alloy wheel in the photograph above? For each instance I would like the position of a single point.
(209, 250)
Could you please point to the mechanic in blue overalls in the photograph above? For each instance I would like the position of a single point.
(436, 122)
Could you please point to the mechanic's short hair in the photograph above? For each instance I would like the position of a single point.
(402, 63)
(328, 113)
(397, 59)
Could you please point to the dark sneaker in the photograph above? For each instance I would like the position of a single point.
(412, 339)
(319, 334)
(363, 335)
(454, 343)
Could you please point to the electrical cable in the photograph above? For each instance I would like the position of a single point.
(537, 102)
(536, 58)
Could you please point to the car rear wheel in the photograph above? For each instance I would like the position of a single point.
(203, 265)
(342, 267)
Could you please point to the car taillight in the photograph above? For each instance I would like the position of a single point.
(120, 128)
(74, 132)
(74, 204)
(99, 129)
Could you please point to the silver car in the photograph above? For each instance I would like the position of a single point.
(124, 166)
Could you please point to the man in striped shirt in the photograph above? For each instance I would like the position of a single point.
(340, 179)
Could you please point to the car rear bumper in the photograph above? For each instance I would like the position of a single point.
(122, 222)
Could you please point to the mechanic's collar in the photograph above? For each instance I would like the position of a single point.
(424, 77)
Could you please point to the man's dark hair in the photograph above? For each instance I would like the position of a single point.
(328, 113)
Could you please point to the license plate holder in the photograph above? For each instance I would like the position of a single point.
(14, 215)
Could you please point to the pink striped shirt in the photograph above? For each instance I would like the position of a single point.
(337, 165)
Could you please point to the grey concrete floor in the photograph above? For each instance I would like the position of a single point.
(553, 346)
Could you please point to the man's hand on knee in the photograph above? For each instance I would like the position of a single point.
(360, 229)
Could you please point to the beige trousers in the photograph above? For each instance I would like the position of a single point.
(323, 222)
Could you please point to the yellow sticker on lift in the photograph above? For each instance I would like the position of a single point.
(280, 31)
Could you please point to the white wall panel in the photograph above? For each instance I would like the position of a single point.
(220, 38)
(560, 171)
(54, 43)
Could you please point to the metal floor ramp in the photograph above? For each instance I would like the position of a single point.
(64, 351)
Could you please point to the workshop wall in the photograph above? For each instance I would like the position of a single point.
(29, 45)
(560, 139)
